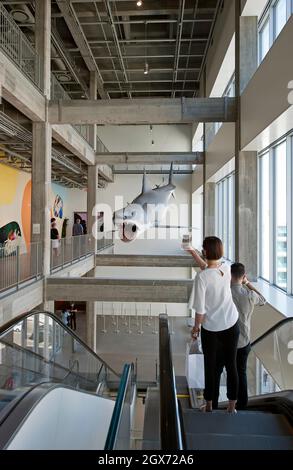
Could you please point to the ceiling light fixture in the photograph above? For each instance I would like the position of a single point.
(139, 3)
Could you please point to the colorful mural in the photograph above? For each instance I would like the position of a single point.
(15, 207)
(58, 207)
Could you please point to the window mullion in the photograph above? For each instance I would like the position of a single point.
(289, 214)
(272, 218)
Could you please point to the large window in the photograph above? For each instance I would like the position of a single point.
(276, 15)
(264, 226)
(280, 163)
(275, 214)
(225, 214)
(264, 40)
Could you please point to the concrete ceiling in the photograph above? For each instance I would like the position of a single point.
(117, 39)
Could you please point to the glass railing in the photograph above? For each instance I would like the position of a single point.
(120, 427)
(40, 348)
(271, 359)
(18, 48)
(19, 263)
(270, 362)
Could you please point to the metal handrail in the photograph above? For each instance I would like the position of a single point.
(171, 433)
(18, 48)
(19, 264)
(71, 250)
(126, 379)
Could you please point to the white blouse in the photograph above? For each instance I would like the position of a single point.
(213, 298)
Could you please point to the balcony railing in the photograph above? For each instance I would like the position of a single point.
(18, 48)
(19, 264)
(105, 240)
(69, 250)
(58, 93)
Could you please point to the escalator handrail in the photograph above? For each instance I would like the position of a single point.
(127, 375)
(14, 321)
(170, 422)
(272, 330)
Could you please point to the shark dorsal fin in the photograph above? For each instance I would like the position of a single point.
(145, 184)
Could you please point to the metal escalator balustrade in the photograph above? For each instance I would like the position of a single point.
(119, 434)
(36, 348)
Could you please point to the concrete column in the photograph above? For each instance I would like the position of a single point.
(210, 210)
(91, 320)
(43, 43)
(92, 201)
(245, 162)
(93, 96)
(246, 186)
(248, 31)
(41, 186)
(91, 325)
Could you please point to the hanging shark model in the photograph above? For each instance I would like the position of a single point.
(146, 211)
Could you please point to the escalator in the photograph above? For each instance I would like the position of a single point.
(267, 424)
(54, 390)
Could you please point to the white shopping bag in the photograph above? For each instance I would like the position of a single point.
(194, 366)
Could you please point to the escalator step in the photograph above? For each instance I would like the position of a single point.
(237, 442)
(244, 422)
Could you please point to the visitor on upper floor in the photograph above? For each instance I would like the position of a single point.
(55, 237)
(216, 319)
(77, 228)
(245, 297)
(73, 311)
(65, 316)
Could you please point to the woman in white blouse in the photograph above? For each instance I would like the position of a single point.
(216, 318)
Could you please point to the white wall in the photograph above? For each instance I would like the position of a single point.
(65, 419)
(74, 200)
(167, 138)
(128, 187)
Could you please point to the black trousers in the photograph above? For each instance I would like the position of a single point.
(225, 341)
(241, 362)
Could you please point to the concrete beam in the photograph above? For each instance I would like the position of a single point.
(74, 27)
(143, 111)
(119, 290)
(72, 141)
(106, 173)
(43, 44)
(151, 158)
(176, 261)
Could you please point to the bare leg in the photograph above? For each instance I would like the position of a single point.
(231, 406)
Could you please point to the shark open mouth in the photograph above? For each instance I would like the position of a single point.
(129, 232)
